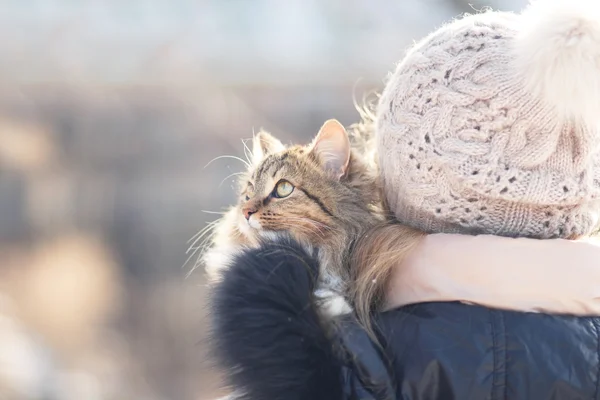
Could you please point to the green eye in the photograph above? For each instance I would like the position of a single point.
(283, 189)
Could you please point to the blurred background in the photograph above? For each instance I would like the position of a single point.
(110, 112)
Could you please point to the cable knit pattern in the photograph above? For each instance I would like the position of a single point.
(465, 148)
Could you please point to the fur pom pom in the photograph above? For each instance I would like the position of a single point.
(267, 332)
(558, 53)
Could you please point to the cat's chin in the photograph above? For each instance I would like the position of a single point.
(246, 229)
(254, 223)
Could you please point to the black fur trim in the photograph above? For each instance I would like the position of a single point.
(267, 335)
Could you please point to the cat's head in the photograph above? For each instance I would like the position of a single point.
(317, 193)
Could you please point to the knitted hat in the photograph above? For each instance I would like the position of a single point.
(491, 124)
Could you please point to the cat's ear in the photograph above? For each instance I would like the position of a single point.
(264, 144)
(332, 148)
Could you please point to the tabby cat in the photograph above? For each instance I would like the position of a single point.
(325, 195)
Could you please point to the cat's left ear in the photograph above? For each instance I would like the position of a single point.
(332, 148)
(264, 144)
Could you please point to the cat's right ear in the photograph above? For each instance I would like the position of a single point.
(264, 144)
(332, 148)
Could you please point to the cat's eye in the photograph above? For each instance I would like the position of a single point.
(283, 189)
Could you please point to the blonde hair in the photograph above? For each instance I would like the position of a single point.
(382, 247)
(374, 256)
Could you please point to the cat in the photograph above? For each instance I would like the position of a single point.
(324, 195)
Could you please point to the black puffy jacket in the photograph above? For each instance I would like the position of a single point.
(268, 338)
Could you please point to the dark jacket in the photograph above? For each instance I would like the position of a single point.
(269, 340)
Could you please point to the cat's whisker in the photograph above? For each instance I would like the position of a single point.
(324, 226)
(229, 176)
(187, 260)
(194, 252)
(202, 247)
(247, 164)
(316, 224)
(309, 221)
(286, 225)
(193, 249)
(194, 268)
(205, 232)
(203, 236)
(197, 234)
(196, 264)
(313, 229)
(208, 225)
(305, 230)
(205, 241)
(214, 212)
(247, 152)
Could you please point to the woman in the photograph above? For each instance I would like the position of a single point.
(487, 127)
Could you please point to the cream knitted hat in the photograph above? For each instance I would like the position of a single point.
(491, 124)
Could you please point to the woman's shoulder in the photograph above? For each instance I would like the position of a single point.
(442, 350)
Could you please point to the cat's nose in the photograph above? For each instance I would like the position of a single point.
(248, 212)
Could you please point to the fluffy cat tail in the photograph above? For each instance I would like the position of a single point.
(267, 333)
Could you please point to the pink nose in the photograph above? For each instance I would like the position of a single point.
(248, 212)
